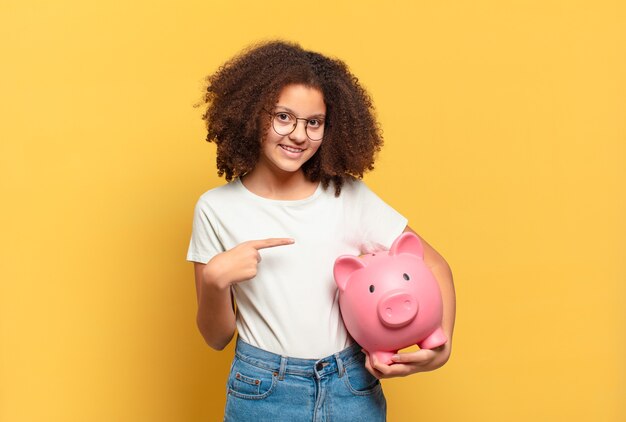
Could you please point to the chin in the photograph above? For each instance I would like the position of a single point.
(290, 168)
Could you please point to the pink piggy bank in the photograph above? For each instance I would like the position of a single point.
(390, 300)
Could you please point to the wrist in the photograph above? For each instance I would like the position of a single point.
(214, 278)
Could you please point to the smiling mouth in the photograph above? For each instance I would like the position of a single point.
(291, 149)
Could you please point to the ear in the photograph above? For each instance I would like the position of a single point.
(344, 266)
(407, 243)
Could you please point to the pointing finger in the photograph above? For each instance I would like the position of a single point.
(270, 243)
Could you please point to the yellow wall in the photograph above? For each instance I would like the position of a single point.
(505, 147)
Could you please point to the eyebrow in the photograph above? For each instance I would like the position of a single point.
(322, 115)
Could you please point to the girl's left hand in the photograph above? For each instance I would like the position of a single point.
(404, 364)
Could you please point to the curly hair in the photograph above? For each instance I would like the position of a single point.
(239, 91)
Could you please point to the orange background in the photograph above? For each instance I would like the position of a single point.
(505, 147)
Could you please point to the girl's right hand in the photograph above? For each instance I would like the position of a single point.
(239, 263)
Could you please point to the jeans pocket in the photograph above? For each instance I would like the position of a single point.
(248, 381)
(358, 379)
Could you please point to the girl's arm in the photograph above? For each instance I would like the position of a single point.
(216, 314)
(425, 360)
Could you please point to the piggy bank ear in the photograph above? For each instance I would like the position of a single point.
(407, 243)
(344, 266)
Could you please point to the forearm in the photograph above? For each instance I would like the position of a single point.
(443, 275)
(215, 317)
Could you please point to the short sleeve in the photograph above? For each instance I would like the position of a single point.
(205, 239)
(379, 223)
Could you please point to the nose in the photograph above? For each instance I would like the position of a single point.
(299, 133)
(397, 309)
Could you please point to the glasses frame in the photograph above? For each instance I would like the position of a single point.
(273, 114)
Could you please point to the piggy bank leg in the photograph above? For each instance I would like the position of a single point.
(436, 339)
(383, 357)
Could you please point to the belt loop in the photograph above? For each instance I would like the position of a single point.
(283, 368)
(340, 368)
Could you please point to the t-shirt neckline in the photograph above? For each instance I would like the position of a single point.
(253, 195)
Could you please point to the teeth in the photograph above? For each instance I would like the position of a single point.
(291, 149)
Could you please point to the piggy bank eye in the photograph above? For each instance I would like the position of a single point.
(371, 288)
(406, 276)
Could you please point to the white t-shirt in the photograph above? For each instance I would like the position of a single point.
(291, 307)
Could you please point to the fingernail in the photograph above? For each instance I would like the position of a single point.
(395, 357)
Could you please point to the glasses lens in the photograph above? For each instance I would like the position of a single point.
(284, 123)
(315, 130)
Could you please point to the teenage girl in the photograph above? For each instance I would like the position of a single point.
(295, 132)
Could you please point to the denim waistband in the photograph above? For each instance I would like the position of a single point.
(282, 365)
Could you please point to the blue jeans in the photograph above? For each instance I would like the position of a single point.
(266, 387)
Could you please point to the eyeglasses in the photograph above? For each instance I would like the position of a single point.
(284, 123)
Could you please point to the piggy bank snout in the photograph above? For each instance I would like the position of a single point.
(397, 309)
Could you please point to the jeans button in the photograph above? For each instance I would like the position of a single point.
(319, 366)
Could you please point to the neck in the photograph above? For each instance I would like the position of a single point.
(284, 186)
